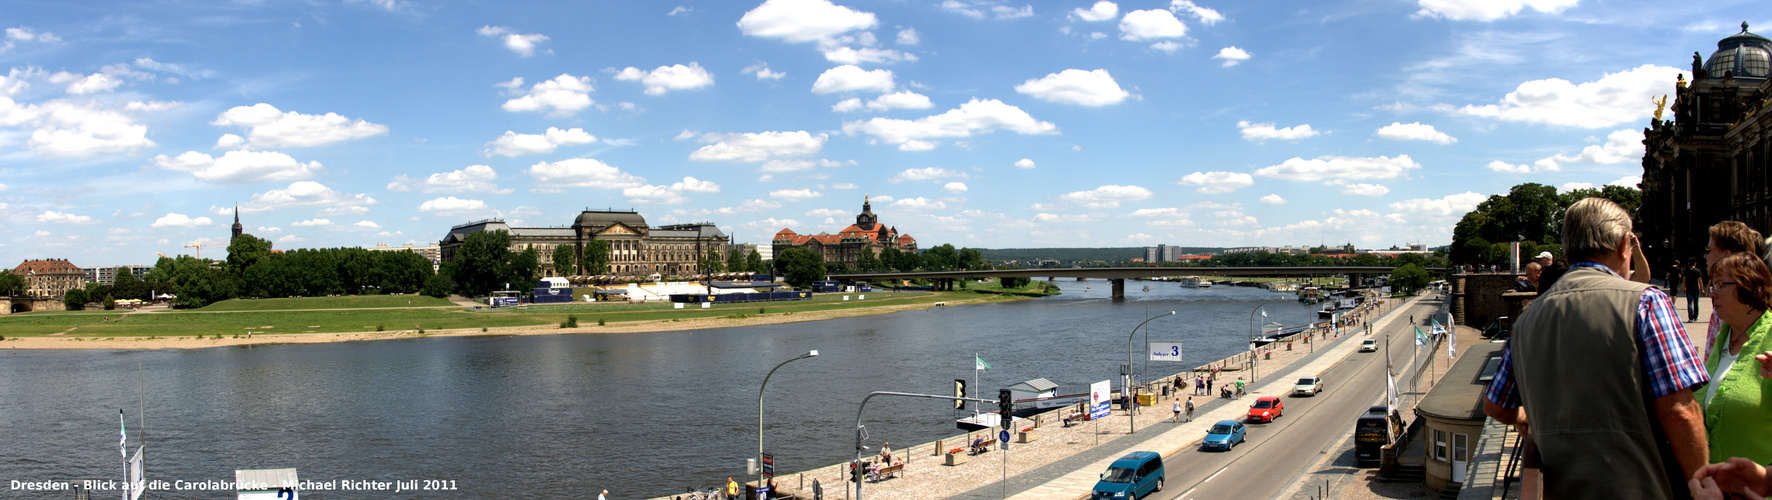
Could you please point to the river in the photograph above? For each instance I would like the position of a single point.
(642, 414)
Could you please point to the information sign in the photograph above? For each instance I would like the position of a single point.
(1165, 351)
(1098, 399)
(768, 464)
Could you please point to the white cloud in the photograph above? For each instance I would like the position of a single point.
(1218, 182)
(679, 10)
(308, 194)
(975, 116)
(926, 174)
(954, 187)
(452, 206)
(758, 146)
(1488, 10)
(522, 44)
(980, 9)
(290, 238)
(366, 225)
(1621, 146)
(1108, 196)
(240, 166)
(54, 217)
(1613, 99)
(1340, 168)
(1101, 11)
(795, 194)
(1273, 199)
(849, 77)
(746, 206)
(1542, 165)
(667, 78)
(1205, 15)
(268, 127)
(1265, 131)
(1364, 189)
(796, 21)
(583, 172)
(848, 55)
(315, 222)
(763, 72)
(1024, 164)
(1232, 56)
(918, 203)
(1447, 206)
(844, 185)
(1414, 131)
(180, 220)
(1629, 181)
(25, 34)
(1572, 186)
(1075, 86)
(94, 83)
(908, 36)
(77, 130)
(473, 179)
(515, 144)
(669, 195)
(1151, 24)
(564, 95)
(229, 141)
(903, 99)
(348, 210)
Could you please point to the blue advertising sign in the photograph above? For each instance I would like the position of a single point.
(1098, 399)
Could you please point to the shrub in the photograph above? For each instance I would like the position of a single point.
(571, 321)
(482, 329)
(759, 310)
(421, 330)
(378, 328)
(599, 321)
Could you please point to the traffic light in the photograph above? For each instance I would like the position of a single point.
(1005, 406)
(854, 473)
(959, 392)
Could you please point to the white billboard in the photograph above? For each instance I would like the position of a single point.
(1098, 399)
(1165, 351)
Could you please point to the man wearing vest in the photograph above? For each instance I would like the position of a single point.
(1604, 372)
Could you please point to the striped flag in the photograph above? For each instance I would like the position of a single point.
(1420, 338)
(978, 363)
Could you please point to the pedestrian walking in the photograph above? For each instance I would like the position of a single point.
(1178, 410)
(731, 489)
(1199, 385)
(1190, 409)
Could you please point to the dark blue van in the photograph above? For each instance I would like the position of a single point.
(1135, 475)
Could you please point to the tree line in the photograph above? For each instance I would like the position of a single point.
(1531, 214)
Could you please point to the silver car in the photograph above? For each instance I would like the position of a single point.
(1308, 386)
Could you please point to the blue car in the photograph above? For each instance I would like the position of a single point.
(1135, 475)
(1224, 435)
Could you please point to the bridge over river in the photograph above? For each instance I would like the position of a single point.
(1119, 275)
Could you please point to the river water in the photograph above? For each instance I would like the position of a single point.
(642, 414)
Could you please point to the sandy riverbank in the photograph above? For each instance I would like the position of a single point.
(664, 325)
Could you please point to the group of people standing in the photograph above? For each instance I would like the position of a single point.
(1614, 399)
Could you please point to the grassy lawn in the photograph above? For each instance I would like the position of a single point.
(350, 316)
(342, 302)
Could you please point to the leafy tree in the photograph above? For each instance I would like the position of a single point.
(75, 299)
(596, 258)
(800, 267)
(970, 259)
(523, 269)
(110, 303)
(867, 261)
(246, 251)
(1408, 278)
(754, 262)
(192, 280)
(565, 260)
(735, 260)
(941, 258)
(126, 286)
(482, 263)
(439, 285)
(11, 284)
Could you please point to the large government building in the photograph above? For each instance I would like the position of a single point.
(845, 246)
(50, 278)
(635, 249)
(1708, 164)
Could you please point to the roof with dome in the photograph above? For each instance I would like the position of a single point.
(1742, 55)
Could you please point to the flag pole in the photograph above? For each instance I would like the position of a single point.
(975, 358)
(123, 449)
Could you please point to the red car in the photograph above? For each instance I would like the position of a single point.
(1266, 409)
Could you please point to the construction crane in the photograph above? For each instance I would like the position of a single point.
(199, 246)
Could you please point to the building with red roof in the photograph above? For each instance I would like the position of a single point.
(846, 246)
(50, 277)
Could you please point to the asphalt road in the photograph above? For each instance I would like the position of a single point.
(1278, 453)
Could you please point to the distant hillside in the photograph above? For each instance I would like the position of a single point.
(1080, 254)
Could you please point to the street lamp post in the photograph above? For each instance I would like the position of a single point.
(1132, 423)
(1252, 338)
(809, 354)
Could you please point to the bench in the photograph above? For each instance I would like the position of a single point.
(1073, 416)
(888, 471)
(984, 445)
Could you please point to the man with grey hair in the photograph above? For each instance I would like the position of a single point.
(1602, 371)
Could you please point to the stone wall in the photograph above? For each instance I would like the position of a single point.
(1477, 298)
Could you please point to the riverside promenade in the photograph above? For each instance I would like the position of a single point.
(1065, 462)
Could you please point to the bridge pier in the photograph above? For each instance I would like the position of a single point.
(1119, 288)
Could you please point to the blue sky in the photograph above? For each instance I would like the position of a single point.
(130, 129)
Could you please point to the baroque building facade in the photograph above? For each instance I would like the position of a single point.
(635, 248)
(1708, 164)
(50, 278)
(846, 246)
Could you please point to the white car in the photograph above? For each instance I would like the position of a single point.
(1308, 386)
(1368, 345)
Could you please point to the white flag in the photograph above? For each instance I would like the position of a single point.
(1264, 312)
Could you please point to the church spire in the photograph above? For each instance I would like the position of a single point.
(237, 227)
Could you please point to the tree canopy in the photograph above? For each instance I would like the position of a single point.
(1531, 214)
(800, 267)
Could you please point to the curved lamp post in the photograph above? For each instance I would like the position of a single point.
(809, 354)
(1252, 338)
(1131, 423)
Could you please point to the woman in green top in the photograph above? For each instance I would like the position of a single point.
(1734, 419)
